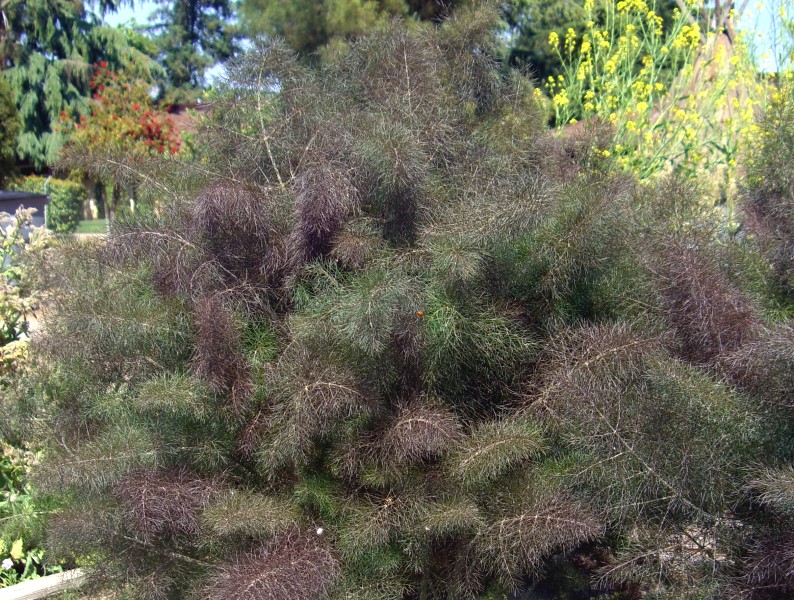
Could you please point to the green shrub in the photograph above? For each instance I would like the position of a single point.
(9, 117)
(768, 191)
(21, 522)
(20, 243)
(66, 200)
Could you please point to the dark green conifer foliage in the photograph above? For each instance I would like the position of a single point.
(311, 25)
(529, 23)
(391, 339)
(47, 52)
(9, 117)
(190, 37)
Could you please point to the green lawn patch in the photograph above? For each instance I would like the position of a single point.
(93, 226)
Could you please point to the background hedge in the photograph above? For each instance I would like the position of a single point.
(66, 200)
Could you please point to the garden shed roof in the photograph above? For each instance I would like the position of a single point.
(10, 201)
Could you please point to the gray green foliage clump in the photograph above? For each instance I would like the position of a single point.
(391, 339)
(769, 188)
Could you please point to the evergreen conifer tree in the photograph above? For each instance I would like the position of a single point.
(191, 37)
(393, 339)
(9, 117)
(47, 52)
(311, 25)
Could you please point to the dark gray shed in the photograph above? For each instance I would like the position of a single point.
(11, 201)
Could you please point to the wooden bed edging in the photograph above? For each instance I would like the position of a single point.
(44, 586)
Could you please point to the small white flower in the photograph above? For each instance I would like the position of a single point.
(8, 564)
(319, 531)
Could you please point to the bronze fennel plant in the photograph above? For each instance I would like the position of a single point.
(391, 338)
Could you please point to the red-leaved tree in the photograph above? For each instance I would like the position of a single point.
(125, 124)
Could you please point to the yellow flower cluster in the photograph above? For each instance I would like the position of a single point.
(636, 6)
(689, 37)
(13, 356)
(629, 71)
(561, 99)
(655, 22)
(570, 40)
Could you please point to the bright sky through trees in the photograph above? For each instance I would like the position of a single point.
(140, 14)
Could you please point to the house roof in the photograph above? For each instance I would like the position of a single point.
(5, 195)
(183, 117)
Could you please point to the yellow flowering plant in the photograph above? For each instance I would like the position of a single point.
(678, 97)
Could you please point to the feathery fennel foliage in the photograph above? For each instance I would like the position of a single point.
(392, 339)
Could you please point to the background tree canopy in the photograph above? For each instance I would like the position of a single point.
(190, 37)
(9, 117)
(308, 25)
(47, 52)
(530, 22)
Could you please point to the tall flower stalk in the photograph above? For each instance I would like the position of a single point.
(679, 98)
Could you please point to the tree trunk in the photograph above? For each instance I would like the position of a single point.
(114, 201)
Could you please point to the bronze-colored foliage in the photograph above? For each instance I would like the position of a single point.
(419, 431)
(374, 521)
(764, 367)
(770, 573)
(155, 571)
(227, 238)
(179, 264)
(296, 565)
(325, 199)
(385, 337)
(517, 544)
(250, 435)
(648, 423)
(101, 318)
(240, 235)
(310, 399)
(653, 560)
(236, 226)
(769, 188)
(355, 244)
(163, 503)
(771, 219)
(710, 316)
(217, 351)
